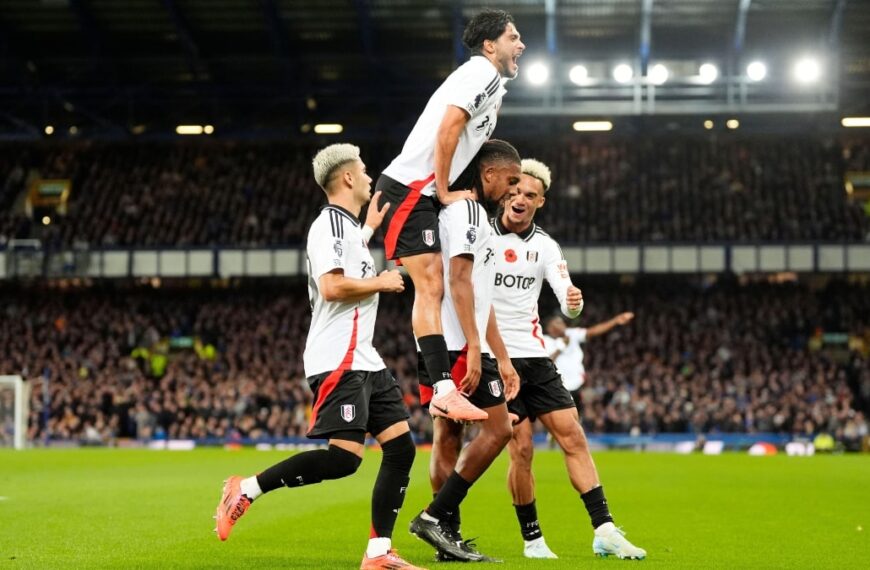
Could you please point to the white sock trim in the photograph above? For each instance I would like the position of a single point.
(443, 387)
(605, 529)
(378, 546)
(251, 488)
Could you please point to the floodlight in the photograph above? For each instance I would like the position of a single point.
(756, 71)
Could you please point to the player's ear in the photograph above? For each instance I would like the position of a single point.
(347, 175)
(541, 201)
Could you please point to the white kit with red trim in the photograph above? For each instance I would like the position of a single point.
(341, 333)
(465, 232)
(522, 262)
(477, 88)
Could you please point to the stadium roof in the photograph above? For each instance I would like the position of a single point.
(239, 64)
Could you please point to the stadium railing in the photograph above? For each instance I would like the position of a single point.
(738, 258)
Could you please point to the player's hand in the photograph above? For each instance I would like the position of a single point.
(456, 196)
(391, 281)
(472, 373)
(375, 215)
(574, 299)
(510, 378)
(623, 318)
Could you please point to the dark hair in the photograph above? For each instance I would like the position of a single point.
(493, 150)
(488, 24)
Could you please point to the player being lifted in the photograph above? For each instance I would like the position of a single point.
(525, 256)
(469, 328)
(458, 118)
(353, 390)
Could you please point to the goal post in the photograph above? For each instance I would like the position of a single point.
(14, 401)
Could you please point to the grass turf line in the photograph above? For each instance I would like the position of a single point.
(102, 508)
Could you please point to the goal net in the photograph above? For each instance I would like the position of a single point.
(14, 396)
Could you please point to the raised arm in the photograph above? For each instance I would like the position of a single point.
(606, 326)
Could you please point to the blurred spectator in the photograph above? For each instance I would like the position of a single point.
(611, 189)
(700, 357)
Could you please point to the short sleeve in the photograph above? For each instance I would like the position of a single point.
(578, 335)
(462, 222)
(327, 247)
(469, 89)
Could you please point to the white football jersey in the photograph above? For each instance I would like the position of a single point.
(570, 360)
(522, 263)
(341, 332)
(476, 87)
(465, 231)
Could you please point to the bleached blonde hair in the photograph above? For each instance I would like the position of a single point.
(539, 170)
(329, 159)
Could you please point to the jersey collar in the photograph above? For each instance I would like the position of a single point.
(352, 218)
(524, 235)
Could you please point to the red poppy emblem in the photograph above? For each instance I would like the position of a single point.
(510, 256)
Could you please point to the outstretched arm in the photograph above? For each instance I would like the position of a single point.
(606, 326)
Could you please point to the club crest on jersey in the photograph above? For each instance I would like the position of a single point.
(348, 412)
(471, 234)
(532, 256)
(510, 256)
(429, 237)
(495, 388)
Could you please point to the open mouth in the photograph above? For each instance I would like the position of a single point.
(518, 210)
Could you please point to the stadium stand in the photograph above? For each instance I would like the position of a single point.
(701, 357)
(717, 188)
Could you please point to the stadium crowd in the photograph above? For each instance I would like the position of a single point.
(613, 189)
(226, 364)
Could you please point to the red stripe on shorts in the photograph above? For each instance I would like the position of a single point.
(331, 381)
(402, 212)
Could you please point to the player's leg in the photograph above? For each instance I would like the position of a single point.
(446, 447)
(412, 239)
(388, 421)
(431, 525)
(340, 459)
(341, 417)
(568, 433)
(521, 482)
(426, 271)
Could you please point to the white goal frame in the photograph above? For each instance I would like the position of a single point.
(22, 397)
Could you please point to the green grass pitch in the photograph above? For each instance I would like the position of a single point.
(133, 509)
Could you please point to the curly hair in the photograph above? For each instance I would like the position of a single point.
(488, 24)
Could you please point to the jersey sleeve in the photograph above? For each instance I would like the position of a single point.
(577, 335)
(556, 274)
(327, 247)
(469, 88)
(463, 222)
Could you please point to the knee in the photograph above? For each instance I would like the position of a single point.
(431, 286)
(574, 441)
(522, 450)
(341, 463)
(399, 452)
(500, 435)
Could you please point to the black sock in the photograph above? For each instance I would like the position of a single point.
(447, 500)
(309, 467)
(596, 506)
(389, 491)
(455, 520)
(433, 350)
(528, 517)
